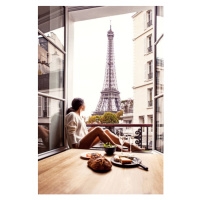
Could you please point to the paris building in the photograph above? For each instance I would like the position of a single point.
(143, 68)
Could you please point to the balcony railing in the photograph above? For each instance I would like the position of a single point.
(150, 75)
(128, 110)
(149, 49)
(160, 62)
(149, 23)
(142, 138)
(150, 103)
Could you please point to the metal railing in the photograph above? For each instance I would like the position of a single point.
(150, 75)
(138, 135)
(150, 103)
(159, 62)
(128, 110)
(149, 49)
(149, 23)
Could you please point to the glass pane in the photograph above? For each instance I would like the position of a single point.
(159, 68)
(160, 124)
(50, 124)
(51, 23)
(50, 68)
(160, 21)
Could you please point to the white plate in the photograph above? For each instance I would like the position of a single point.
(83, 155)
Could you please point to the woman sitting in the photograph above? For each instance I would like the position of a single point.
(80, 137)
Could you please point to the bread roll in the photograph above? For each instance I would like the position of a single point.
(99, 163)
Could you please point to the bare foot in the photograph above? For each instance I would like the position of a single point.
(135, 148)
(119, 148)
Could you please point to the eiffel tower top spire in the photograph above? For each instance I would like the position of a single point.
(110, 32)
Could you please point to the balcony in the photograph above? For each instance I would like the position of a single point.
(149, 23)
(150, 75)
(149, 49)
(160, 62)
(128, 110)
(150, 103)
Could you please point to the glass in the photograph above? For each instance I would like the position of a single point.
(159, 125)
(159, 67)
(51, 22)
(121, 140)
(131, 140)
(50, 124)
(50, 69)
(159, 21)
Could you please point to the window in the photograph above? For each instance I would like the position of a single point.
(159, 68)
(159, 125)
(150, 97)
(51, 73)
(150, 70)
(149, 18)
(51, 23)
(40, 106)
(50, 68)
(159, 82)
(149, 44)
(141, 121)
(150, 121)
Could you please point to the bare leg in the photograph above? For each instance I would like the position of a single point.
(116, 140)
(89, 139)
(91, 128)
(96, 141)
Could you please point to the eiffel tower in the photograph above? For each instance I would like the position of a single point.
(110, 99)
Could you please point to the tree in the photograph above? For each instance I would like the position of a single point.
(98, 118)
(94, 118)
(119, 114)
(109, 117)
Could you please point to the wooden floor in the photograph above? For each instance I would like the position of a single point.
(67, 173)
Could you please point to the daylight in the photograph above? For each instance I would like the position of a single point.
(90, 49)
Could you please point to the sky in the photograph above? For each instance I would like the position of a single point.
(90, 50)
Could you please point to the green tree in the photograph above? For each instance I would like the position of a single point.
(98, 118)
(109, 117)
(91, 119)
(119, 114)
(94, 118)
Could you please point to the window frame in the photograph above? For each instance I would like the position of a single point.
(68, 67)
(149, 17)
(65, 85)
(148, 42)
(149, 94)
(156, 41)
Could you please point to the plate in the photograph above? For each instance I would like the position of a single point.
(83, 155)
(134, 163)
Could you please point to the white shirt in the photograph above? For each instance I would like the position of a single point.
(75, 128)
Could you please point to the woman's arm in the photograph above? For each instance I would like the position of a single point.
(71, 125)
